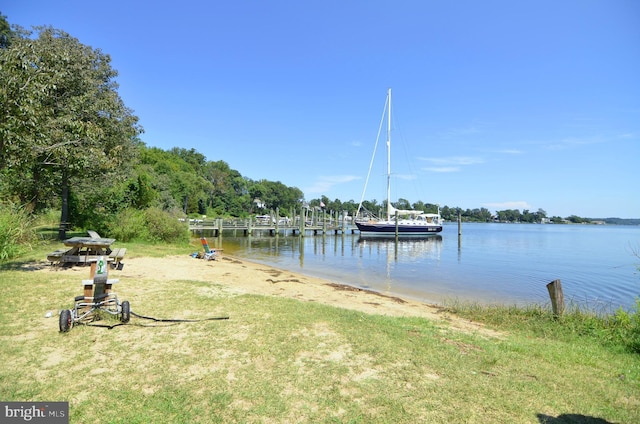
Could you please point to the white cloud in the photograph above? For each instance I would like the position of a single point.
(324, 183)
(454, 160)
(405, 176)
(511, 152)
(442, 169)
(575, 142)
(455, 132)
(571, 142)
(450, 164)
(514, 204)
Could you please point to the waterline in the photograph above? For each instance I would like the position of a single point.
(490, 263)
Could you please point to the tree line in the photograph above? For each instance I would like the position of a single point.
(69, 143)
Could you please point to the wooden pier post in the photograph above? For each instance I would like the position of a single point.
(397, 233)
(324, 221)
(557, 297)
(302, 222)
(459, 232)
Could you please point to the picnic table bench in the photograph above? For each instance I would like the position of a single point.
(85, 250)
(117, 255)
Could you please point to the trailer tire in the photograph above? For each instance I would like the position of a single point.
(66, 320)
(125, 314)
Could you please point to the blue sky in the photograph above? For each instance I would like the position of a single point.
(497, 104)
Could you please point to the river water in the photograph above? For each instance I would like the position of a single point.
(490, 263)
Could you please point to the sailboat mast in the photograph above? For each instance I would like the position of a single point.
(389, 156)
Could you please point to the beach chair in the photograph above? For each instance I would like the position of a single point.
(209, 254)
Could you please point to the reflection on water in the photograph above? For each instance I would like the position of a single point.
(504, 263)
(394, 256)
(275, 247)
(407, 248)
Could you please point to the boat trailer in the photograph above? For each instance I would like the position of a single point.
(98, 297)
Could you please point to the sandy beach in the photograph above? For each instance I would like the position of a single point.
(243, 276)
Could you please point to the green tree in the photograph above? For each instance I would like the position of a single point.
(279, 196)
(350, 206)
(527, 216)
(179, 177)
(576, 219)
(229, 192)
(402, 204)
(448, 214)
(62, 121)
(335, 205)
(5, 32)
(509, 215)
(371, 207)
(540, 215)
(484, 215)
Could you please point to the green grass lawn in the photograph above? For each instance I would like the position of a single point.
(279, 360)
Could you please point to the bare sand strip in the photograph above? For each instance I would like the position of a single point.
(243, 276)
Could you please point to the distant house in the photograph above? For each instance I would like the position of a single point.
(259, 203)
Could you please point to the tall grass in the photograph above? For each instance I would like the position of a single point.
(620, 330)
(16, 231)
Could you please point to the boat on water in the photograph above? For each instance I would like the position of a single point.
(399, 223)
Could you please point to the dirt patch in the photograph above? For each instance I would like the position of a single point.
(357, 289)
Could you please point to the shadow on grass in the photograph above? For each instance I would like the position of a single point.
(571, 419)
(29, 265)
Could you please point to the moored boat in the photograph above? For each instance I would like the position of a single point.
(400, 223)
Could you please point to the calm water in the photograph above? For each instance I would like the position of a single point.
(492, 263)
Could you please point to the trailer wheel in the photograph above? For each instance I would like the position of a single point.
(66, 321)
(125, 315)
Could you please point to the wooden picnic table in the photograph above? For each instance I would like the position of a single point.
(85, 250)
(99, 246)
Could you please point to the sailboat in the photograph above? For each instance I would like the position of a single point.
(398, 223)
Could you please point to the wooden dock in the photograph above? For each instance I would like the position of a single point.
(249, 227)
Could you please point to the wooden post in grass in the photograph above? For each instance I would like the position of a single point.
(557, 297)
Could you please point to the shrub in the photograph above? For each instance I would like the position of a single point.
(16, 231)
(627, 327)
(153, 224)
(128, 224)
(49, 218)
(165, 227)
